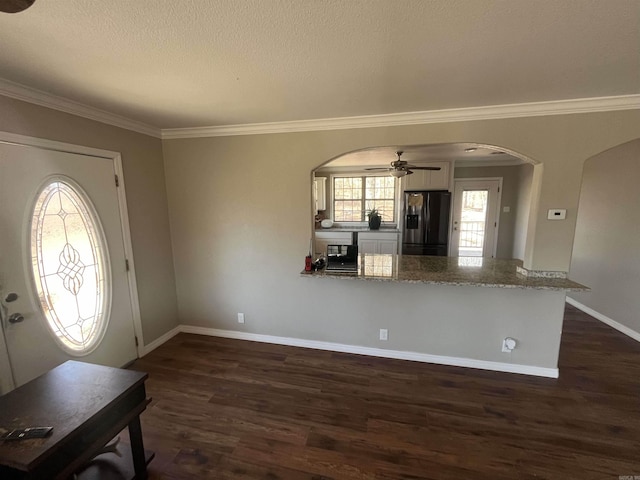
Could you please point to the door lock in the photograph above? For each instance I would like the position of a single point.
(12, 297)
(16, 318)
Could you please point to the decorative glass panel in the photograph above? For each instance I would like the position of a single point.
(70, 266)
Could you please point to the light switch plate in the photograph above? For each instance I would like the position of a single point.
(557, 214)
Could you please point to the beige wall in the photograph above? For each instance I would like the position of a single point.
(606, 251)
(146, 196)
(510, 198)
(240, 217)
(522, 210)
(240, 210)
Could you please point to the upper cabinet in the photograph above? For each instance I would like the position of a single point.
(429, 179)
(320, 193)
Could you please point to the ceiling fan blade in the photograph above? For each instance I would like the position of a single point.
(422, 168)
(378, 168)
(15, 6)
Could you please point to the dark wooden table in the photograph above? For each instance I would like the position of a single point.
(87, 405)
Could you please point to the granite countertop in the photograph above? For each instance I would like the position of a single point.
(457, 271)
(359, 229)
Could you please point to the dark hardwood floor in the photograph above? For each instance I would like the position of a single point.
(227, 409)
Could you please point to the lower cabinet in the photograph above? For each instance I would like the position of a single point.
(368, 242)
(388, 246)
(377, 242)
(331, 238)
(367, 246)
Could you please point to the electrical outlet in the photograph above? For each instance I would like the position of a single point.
(240, 317)
(384, 334)
(508, 344)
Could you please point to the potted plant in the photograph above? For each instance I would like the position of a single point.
(375, 219)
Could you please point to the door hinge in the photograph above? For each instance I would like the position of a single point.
(126, 264)
(498, 189)
(137, 343)
(117, 181)
(495, 224)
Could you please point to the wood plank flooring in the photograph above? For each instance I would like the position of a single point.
(231, 409)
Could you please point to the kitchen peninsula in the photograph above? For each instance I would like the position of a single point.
(452, 271)
(453, 310)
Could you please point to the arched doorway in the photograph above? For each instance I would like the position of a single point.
(456, 162)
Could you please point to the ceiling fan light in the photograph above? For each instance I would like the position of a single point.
(15, 6)
(398, 173)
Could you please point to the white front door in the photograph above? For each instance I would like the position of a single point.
(475, 217)
(55, 292)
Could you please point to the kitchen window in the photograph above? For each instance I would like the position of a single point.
(355, 196)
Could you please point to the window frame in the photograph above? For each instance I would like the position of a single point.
(363, 175)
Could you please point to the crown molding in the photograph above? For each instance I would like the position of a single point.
(44, 99)
(558, 107)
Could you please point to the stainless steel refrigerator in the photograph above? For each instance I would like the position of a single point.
(426, 223)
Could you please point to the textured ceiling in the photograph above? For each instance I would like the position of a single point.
(189, 63)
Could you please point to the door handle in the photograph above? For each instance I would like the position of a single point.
(16, 318)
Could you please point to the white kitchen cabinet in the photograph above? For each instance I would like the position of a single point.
(388, 246)
(367, 246)
(320, 193)
(331, 238)
(378, 242)
(429, 179)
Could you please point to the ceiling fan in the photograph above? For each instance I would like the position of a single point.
(400, 168)
(15, 6)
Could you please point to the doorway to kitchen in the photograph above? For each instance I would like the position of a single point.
(475, 217)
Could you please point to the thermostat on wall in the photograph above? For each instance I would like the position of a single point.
(557, 214)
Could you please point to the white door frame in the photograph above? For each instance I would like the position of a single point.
(7, 383)
(497, 212)
(116, 158)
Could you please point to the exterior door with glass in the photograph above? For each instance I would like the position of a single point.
(64, 285)
(475, 217)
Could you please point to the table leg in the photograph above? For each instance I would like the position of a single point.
(137, 449)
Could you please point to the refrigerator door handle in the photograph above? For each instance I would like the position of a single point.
(427, 217)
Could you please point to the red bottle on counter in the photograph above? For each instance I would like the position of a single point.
(307, 263)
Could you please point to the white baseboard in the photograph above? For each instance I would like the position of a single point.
(375, 352)
(159, 341)
(604, 319)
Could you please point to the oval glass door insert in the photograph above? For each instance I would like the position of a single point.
(70, 265)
